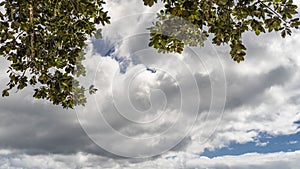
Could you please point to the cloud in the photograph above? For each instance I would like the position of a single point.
(288, 160)
(262, 95)
(292, 142)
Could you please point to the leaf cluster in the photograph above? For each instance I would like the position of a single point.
(44, 40)
(224, 20)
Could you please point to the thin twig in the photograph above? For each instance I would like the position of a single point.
(32, 30)
(274, 12)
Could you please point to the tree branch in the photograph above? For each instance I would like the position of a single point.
(273, 11)
(32, 30)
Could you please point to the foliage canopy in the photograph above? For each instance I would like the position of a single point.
(44, 39)
(224, 20)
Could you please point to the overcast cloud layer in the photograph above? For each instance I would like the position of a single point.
(178, 108)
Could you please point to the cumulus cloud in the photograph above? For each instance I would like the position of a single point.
(288, 160)
(180, 108)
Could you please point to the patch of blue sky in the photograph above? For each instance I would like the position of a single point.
(106, 49)
(263, 144)
(298, 123)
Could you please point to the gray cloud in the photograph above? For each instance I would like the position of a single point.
(262, 96)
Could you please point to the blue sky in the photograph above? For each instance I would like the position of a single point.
(281, 143)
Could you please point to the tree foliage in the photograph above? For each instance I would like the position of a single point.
(224, 20)
(44, 39)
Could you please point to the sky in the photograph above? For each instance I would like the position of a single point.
(194, 110)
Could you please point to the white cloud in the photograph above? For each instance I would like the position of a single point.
(288, 160)
(262, 96)
(257, 89)
(293, 142)
(262, 144)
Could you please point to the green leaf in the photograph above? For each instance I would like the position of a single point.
(5, 93)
